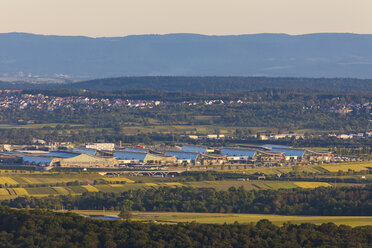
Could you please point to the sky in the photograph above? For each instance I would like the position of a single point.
(103, 18)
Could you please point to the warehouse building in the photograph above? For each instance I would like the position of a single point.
(130, 157)
(238, 155)
(183, 157)
(197, 149)
(86, 161)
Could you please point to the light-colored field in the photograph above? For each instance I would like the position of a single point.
(151, 184)
(4, 192)
(32, 179)
(118, 188)
(8, 181)
(256, 184)
(172, 184)
(311, 185)
(217, 218)
(90, 188)
(118, 179)
(20, 191)
(61, 190)
(349, 166)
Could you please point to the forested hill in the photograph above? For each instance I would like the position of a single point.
(47, 229)
(221, 84)
(272, 55)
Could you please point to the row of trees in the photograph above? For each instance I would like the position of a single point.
(321, 201)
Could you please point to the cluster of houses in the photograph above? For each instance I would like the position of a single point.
(352, 135)
(106, 155)
(14, 100)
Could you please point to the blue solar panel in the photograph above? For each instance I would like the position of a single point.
(135, 149)
(197, 149)
(37, 160)
(237, 152)
(61, 154)
(87, 151)
(130, 155)
(182, 155)
(274, 146)
(289, 152)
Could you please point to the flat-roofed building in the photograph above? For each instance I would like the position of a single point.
(101, 146)
(91, 152)
(233, 154)
(183, 157)
(130, 157)
(159, 159)
(197, 149)
(38, 160)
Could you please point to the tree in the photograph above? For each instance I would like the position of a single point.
(126, 210)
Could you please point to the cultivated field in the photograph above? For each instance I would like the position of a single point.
(118, 188)
(217, 218)
(41, 184)
(348, 166)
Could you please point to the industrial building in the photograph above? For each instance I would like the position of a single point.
(85, 161)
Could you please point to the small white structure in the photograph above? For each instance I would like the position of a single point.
(101, 146)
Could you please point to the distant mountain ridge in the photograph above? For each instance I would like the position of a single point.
(202, 84)
(268, 55)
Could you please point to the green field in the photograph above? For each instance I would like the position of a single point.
(4, 192)
(348, 166)
(217, 218)
(118, 188)
(90, 188)
(65, 183)
(47, 178)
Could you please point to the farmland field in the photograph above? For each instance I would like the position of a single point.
(118, 188)
(311, 185)
(8, 181)
(41, 191)
(61, 190)
(256, 184)
(349, 166)
(90, 188)
(217, 218)
(4, 192)
(20, 191)
(48, 178)
(118, 179)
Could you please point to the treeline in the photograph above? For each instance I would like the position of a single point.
(47, 229)
(261, 95)
(348, 201)
(284, 114)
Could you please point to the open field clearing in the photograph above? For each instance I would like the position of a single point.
(41, 191)
(4, 192)
(118, 179)
(49, 178)
(311, 185)
(217, 218)
(8, 181)
(279, 170)
(90, 188)
(52, 125)
(20, 191)
(349, 166)
(61, 190)
(119, 188)
(256, 184)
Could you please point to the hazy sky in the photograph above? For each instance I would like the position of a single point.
(125, 17)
